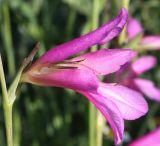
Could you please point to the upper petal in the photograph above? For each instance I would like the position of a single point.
(82, 43)
(133, 28)
(148, 88)
(106, 61)
(144, 64)
(75, 79)
(110, 112)
(150, 139)
(130, 103)
(151, 42)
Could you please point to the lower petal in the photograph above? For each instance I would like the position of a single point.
(130, 103)
(110, 112)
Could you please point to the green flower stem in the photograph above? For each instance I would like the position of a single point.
(92, 125)
(92, 109)
(8, 123)
(100, 125)
(7, 37)
(123, 35)
(7, 107)
(17, 128)
(95, 18)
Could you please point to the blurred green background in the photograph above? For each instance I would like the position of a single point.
(54, 116)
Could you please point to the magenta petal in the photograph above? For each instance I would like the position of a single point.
(134, 28)
(75, 79)
(111, 113)
(144, 64)
(148, 88)
(106, 61)
(82, 43)
(151, 42)
(111, 35)
(125, 99)
(150, 139)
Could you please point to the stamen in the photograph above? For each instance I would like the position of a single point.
(67, 67)
(66, 64)
(73, 62)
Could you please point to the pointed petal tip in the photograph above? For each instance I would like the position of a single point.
(113, 32)
(118, 138)
(123, 12)
(118, 141)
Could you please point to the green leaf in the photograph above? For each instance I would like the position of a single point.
(3, 81)
(13, 88)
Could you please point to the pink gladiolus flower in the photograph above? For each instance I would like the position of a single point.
(132, 80)
(80, 74)
(151, 42)
(150, 139)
